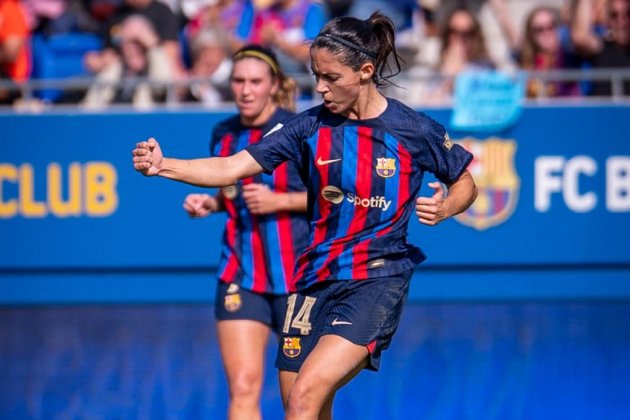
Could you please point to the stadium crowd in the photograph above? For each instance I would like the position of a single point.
(146, 52)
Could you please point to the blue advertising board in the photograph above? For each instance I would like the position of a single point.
(554, 194)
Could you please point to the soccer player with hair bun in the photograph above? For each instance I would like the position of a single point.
(362, 157)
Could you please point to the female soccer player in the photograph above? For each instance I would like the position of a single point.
(265, 230)
(363, 157)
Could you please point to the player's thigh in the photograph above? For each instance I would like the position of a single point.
(333, 362)
(243, 344)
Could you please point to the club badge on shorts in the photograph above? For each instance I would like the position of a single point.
(385, 167)
(291, 347)
(233, 301)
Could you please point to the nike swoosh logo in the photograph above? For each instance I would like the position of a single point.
(322, 162)
(337, 322)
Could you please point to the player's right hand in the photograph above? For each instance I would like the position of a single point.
(198, 205)
(147, 157)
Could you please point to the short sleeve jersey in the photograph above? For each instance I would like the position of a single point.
(362, 177)
(258, 251)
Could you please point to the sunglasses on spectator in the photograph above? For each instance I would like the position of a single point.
(464, 34)
(539, 29)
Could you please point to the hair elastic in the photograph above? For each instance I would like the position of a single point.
(260, 55)
(351, 44)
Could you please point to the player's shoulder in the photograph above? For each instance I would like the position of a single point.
(302, 123)
(231, 123)
(407, 114)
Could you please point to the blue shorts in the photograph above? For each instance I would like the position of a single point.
(365, 312)
(234, 303)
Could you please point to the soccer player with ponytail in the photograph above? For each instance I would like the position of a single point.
(265, 231)
(362, 157)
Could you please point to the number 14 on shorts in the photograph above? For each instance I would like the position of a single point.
(301, 320)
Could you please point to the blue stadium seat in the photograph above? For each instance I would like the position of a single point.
(59, 57)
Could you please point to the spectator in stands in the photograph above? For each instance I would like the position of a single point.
(14, 46)
(610, 51)
(164, 23)
(407, 18)
(52, 17)
(103, 10)
(133, 77)
(211, 67)
(542, 49)
(287, 26)
(462, 48)
(233, 17)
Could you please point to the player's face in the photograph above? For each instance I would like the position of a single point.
(339, 85)
(253, 88)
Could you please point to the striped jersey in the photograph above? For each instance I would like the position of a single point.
(258, 251)
(362, 178)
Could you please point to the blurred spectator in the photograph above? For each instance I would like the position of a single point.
(429, 47)
(610, 51)
(407, 17)
(131, 77)
(233, 17)
(164, 23)
(286, 27)
(211, 62)
(103, 10)
(14, 46)
(52, 17)
(463, 47)
(489, 13)
(542, 49)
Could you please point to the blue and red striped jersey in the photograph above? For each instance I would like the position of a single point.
(258, 251)
(362, 178)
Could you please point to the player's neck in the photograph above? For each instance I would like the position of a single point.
(369, 105)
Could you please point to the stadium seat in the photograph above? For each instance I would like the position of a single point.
(59, 57)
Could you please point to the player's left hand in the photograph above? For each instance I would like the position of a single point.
(432, 210)
(259, 199)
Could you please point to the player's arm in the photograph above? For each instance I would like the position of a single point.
(202, 205)
(461, 194)
(207, 172)
(261, 200)
(291, 201)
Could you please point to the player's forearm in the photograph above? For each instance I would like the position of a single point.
(211, 172)
(215, 203)
(208, 172)
(292, 201)
(461, 194)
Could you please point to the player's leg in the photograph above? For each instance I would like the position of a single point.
(287, 379)
(243, 344)
(332, 363)
(326, 411)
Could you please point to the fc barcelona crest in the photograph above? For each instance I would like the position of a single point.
(497, 182)
(385, 167)
(233, 303)
(291, 347)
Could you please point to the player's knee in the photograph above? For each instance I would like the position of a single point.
(302, 400)
(245, 386)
